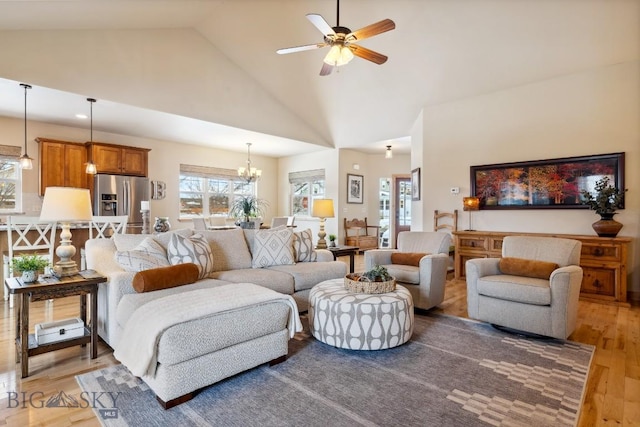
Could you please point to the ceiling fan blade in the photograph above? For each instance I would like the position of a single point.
(326, 69)
(373, 29)
(321, 24)
(368, 54)
(300, 48)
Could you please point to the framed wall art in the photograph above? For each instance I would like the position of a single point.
(355, 188)
(544, 184)
(415, 184)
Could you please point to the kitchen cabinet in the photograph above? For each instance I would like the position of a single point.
(61, 164)
(603, 260)
(118, 159)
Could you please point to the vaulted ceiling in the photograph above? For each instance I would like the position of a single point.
(196, 68)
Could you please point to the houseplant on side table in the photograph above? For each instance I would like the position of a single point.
(608, 199)
(29, 266)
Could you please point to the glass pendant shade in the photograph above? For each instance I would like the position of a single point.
(91, 167)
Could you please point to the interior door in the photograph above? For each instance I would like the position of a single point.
(402, 206)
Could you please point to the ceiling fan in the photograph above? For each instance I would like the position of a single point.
(342, 42)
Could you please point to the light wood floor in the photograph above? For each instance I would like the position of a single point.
(612, 395)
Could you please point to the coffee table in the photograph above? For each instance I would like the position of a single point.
(359, 321)
(51, 288)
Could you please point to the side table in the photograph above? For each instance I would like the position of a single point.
(51, 288)
(343, 251)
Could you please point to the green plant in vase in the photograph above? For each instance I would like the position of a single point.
(246, 207)
(607, 200)
(29, 266)
(332, 240)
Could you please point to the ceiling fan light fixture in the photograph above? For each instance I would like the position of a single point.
(338, 55)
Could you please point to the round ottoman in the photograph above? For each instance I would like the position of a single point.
(359, 321)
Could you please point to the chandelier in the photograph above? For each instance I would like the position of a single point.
(248, 173)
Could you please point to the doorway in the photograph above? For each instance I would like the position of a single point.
(401, 206)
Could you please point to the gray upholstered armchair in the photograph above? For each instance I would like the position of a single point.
(424, 275)
(543, 306)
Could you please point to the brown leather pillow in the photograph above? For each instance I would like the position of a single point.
(165, 277)
(527, 267)
(407, 258)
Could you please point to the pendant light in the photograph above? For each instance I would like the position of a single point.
(91, 167)
(249, 173)
(388, 154)
(26, 162)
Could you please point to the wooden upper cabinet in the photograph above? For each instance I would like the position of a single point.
(118, 159)
(62, 164)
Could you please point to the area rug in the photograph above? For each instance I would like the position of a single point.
(453, 372)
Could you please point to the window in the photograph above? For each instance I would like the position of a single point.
(306, 186)
(206, 191)
(10, 179)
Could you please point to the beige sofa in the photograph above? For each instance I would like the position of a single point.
(232, 263)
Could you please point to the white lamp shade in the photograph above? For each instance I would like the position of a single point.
(323, 208)
(66, 204)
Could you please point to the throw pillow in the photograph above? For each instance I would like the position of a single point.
(193, 249)
(527, 267)
(272, 247)
(303, 246)
(407, 258)
(148, 254)
(165, 277)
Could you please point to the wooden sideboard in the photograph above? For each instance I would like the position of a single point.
(603, 260)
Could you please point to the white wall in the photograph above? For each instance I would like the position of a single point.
(594, 111)
(164, 163)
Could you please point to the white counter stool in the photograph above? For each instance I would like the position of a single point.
(359, 321)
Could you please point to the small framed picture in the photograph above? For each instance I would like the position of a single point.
(415, 184)
(355, 188)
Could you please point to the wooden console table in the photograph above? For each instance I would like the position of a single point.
(26, 344)
(603, 260)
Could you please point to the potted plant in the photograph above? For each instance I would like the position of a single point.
(29, 266)
(607, 200)
(247, 207)
(375, 281)
(332, 240)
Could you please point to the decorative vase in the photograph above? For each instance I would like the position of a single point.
(607, 226)
(162, 224)
(28, 276)
(332, 243)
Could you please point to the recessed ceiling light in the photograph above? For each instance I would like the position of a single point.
(82, 116)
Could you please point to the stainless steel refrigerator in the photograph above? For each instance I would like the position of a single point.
(115, 195)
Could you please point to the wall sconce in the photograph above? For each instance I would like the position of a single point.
(470, 204)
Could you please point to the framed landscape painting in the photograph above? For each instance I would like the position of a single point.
(355, 188)
(544, 184)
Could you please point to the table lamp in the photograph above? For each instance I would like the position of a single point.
(66, 205)
(470, 204)
(322, 208)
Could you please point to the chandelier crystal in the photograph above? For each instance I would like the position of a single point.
(249, 173)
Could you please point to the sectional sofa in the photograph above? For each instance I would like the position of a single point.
(233, 262)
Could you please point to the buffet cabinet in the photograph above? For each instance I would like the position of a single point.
(603, 260)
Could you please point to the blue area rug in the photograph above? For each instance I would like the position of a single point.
(453, 372)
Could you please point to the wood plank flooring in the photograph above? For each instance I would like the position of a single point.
(612, 396)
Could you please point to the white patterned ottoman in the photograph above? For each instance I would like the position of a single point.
(359, 321)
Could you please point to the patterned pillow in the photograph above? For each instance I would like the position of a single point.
(148, 254)
(273, 247)
(303, 246)
(193, 249)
